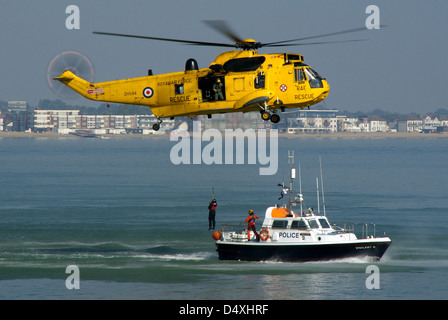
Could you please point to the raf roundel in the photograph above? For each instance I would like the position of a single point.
(148, 92)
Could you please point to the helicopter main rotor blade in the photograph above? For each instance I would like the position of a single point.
(222, 27)
(277, 43)
(198, 43)
(312, 43)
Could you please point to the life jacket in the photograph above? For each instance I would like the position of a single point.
(251, 220)
(213, 205)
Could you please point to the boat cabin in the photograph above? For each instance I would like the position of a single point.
(280, 218)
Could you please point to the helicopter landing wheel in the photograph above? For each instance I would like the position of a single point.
(156, 126)
(275, 118)
(265, 115)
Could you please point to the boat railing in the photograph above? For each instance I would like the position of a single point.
(237, 231)
(226, 227)
(364, 230)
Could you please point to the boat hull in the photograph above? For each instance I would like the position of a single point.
(262, 251)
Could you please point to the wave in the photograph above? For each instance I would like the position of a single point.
(104, 254)
(194, 256)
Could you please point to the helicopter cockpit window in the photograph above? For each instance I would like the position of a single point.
(314, 78)
(243, 64)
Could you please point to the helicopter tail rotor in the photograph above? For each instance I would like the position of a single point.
(76, 62)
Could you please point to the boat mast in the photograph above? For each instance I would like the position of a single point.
(317, 191)
(300, 191)
(322, 185)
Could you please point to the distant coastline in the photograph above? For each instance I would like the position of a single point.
(336, 135)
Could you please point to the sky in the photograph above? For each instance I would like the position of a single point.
(400, 68)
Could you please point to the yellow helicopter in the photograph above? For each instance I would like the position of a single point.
(237, 81)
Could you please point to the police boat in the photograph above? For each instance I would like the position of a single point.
(300, 236)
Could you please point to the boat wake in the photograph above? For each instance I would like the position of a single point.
(351, 260)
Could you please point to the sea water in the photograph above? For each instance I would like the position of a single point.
(136, 225)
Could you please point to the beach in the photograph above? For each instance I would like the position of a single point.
(338, 135)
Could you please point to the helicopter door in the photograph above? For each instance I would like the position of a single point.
(211, 90)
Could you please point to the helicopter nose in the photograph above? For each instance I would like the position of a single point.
(325, 90)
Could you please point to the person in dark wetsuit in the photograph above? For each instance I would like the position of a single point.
(251, 225)
(211, 214)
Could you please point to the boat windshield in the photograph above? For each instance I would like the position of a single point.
(313, 224)
(324, 223)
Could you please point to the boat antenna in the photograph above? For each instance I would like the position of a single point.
(322, 185)
(293, 175)
(317, 191)
(300, 190)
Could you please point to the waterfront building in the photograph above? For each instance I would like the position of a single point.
(315, 121)
(17, 106)
(52, 120)
(377, 124)
(430, 124)
(69, 121)
(350, 125)
(409, 124)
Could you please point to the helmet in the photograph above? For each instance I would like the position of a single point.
(251, 211)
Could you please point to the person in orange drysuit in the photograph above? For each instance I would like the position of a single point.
(251, 224)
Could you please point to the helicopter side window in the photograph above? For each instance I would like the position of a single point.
(179, 88)
(243, 64)
(260, 80)
(298, 75)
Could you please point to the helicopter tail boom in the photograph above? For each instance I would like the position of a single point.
(107, 91)
(77, 84)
